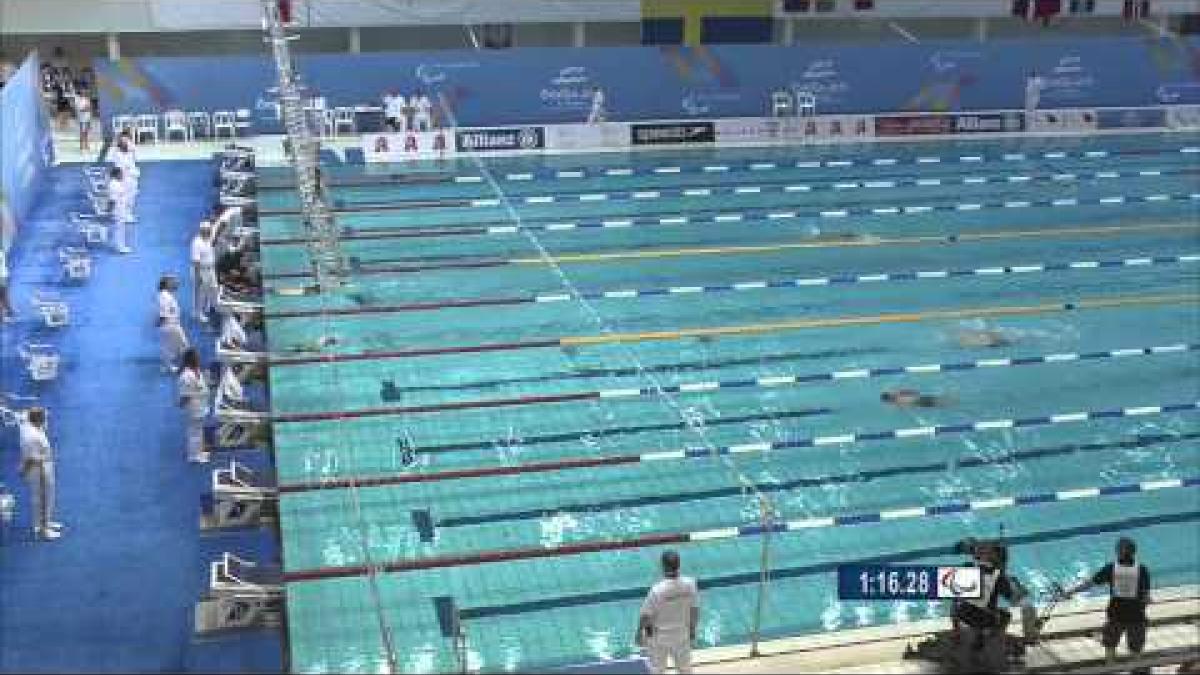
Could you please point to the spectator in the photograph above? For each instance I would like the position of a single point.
(394, 112)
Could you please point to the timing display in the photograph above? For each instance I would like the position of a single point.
(907, 582)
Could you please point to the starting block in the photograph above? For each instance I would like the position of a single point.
(93, 229)
(238, 500)
(41, 361)
(76, 263)
(242, 596)
(54, 310)
(8, 506)
(241, 428)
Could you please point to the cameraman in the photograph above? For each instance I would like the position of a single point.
(986, 622)
(1129, 584)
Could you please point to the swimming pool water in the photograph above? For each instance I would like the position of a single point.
(730, 299)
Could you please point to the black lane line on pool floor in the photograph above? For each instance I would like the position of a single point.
(1139, 441)
(394, 393)
(724, 581)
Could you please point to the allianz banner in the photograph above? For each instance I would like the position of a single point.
(672, 133)
(490, 140)
(959, 123)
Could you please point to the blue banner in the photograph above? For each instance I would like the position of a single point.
(557, 85)
(1131, 118)
(26, 147)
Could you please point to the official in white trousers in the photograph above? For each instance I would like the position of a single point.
(204, 273)
(668, 619)
(193, 398)
(37, 467)
(173, 341)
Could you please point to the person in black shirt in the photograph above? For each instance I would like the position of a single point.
(1129, 589)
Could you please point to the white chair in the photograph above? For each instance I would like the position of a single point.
(122, 122)
(147, 125)
(806, 103)
(53, 309)
(328, 123)
(200, 123)
(41, 361)
(176, 122)
(343, 118)
(224, 119)
(76, 263)
(782, 104)
(244, 119)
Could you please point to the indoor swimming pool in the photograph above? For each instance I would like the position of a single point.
(547, 369)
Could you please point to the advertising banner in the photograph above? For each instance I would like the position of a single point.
(982, 123)
(1082, 119)
(733, 131)
(672, 133)
(1131, 118)
(913, 125)
(491, 140)
(396, 147)
(1183, 116)
(587, 136)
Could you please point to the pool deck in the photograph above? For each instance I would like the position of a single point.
(879, 649)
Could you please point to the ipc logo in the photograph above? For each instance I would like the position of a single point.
(959, 582)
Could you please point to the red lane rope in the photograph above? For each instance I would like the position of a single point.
(478, 472)
(335, 572)
(435, 407)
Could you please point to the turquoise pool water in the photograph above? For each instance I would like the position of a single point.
(608, 311)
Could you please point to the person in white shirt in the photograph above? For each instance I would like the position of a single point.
(422, 112)
(83, 116)
(6, 310)
(173, 341)
(598, 113)
(193, 398)
(123, 156)
(37, 467)
(1033, 92)
(233, 334)
(667, 622)
(204, 273)
(122, 208)
(394, 111)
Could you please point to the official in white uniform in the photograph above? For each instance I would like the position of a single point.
(83, 117)
(667, 623)
(6, 310)
(204, 273)
(37, 467)
(598, 113)
(422, 112)
(122, 209)
(173, 341)
(1129, 593)
(233, 334)
(394, 109)
(193, 398)
(123, 156)
(1033, 93)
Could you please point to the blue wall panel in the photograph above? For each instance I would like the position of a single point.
(553, 84)
(26, 148)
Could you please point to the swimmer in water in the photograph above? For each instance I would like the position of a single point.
(911, 398)
(982, 337)
(326, 341)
